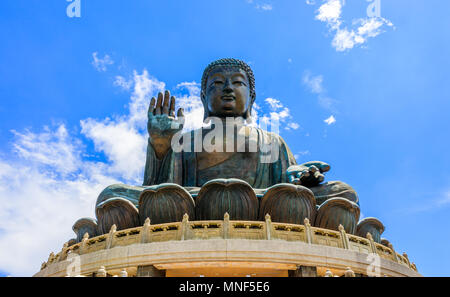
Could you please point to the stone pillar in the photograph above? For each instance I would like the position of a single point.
(304, 271)
(150, 271)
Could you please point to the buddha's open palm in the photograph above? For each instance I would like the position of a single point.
(309, 174)
(162, 124)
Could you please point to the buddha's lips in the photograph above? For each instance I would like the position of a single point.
(228, 98)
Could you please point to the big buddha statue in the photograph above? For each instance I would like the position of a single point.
(229, 166)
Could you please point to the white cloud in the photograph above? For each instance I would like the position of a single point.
(278, 114)
(301, 154)
(124, 139)
(330, 120)
(293, 126)
(123, 83)
(314, 83)
(274, 103)
(192, 105)
(264, 6)
(344, 39)
(261, 5)
(101, 64)
(330, 12)
(43, 192)
(49, 183)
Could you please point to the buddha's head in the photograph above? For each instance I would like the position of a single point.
(228, 89)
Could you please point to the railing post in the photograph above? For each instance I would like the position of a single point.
(83, 246)
(269, 227)
(371, 243)
(407, 259)
(145, 232)
(308, 231)
(394, 252)
(344, 237)
(110, 237)
(226, 226)
(64, 251)
(185, 227)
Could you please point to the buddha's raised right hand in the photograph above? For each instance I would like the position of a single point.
(162, 124)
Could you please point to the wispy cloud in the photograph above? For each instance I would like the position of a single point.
(260, 5)
(330, 12)
(314, 83)
(124, 84)
(277, 113)
(330, 120)
(432, 205)
(101, 64)
(298, 155)
(264, 6)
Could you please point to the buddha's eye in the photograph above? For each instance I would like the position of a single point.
(239, 83)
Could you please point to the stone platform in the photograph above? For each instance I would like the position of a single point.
(227, 248)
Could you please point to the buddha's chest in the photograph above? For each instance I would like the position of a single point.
(226, 165)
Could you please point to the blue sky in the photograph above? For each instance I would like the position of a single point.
(367, 94)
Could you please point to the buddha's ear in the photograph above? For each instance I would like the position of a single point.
(205, 110)
(248, 113)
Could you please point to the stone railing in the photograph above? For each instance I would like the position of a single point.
(227, 229)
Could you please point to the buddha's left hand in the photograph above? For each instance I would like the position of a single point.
(309, 174)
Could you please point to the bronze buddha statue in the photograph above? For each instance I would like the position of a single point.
(230, 166)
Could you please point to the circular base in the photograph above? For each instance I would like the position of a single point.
(225, 257)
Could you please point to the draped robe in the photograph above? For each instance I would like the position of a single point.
(260, 169)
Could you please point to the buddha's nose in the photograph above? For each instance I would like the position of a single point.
(227, 87)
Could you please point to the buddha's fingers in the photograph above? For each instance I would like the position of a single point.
(313, 169)
(291, 178)
(180, 112)
(172, 107)
(319, 176)
(180, 116)
(303, 174)
(151, 107)
(324, 167)
(158, 104)
(165, 109)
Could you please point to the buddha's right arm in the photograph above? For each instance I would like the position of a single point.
(156, 169)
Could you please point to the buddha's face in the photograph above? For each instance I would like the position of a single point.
(227, 93)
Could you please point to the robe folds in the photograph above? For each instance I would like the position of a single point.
(270, 164)
(261, 169)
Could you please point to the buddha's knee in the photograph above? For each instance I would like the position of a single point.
(333, 189)
(117, 205)
(130, 193)
(129, 206)
(338, 204)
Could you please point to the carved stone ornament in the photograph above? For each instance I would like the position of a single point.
(85, 225)
(372, 226)
(118, 211)
(234, 196)
(337, 211)
(165, 203)
(288, 203)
